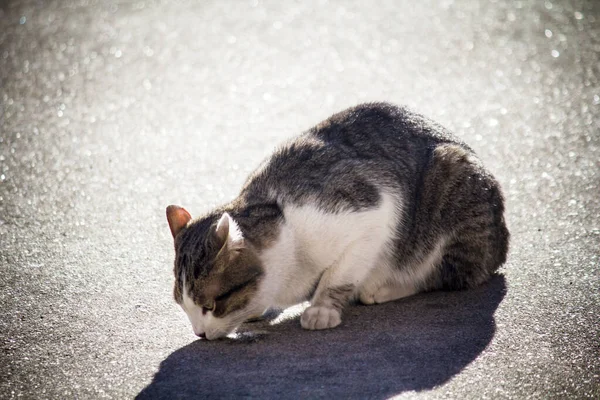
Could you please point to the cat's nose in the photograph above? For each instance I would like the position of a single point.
(201, 335)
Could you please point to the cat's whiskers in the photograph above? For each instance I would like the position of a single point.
(237, 320)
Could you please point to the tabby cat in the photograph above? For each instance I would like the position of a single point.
(373, 204)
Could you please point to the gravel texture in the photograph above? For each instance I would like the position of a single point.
(112, 110)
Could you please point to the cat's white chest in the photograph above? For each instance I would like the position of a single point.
(321, 238)
(311, 241)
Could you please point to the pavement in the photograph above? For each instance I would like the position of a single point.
(111, 110)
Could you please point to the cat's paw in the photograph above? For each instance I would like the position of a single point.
(378, 296)
(382, 295)
(367, 298)
(385, 294)
(319, 317)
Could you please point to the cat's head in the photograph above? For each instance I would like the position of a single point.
(217, 274)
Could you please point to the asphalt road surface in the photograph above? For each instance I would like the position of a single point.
(110, 111)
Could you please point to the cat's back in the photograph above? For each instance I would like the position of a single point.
(380, 124)
(346, 160)
(371, 134)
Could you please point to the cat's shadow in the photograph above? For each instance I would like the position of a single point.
(379, 351)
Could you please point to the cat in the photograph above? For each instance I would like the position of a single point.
(374, 204)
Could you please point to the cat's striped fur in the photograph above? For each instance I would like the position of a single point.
(375, 203)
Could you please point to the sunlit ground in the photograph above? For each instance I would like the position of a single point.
(112, 110)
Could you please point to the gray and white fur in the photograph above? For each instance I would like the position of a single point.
(374, 204)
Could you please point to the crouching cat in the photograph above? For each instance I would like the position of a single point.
(374, 204)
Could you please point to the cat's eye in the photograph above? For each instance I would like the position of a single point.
(209, 307)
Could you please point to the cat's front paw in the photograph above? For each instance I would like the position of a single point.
(319, 317)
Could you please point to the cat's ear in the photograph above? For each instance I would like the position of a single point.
(227, 231)
(178, 218)
(222, 230)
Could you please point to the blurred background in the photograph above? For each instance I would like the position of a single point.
(111, 110)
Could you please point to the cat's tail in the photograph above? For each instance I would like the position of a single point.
(500, 240)
(470, 261)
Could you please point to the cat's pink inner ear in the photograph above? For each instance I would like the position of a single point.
(178, 218)
(222, 230)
